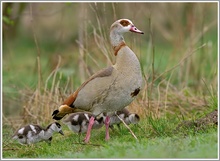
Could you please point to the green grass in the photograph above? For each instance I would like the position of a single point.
(156, 139)
(186, 92)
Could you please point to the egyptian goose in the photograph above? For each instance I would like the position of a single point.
(78, 122)
(31, 134)
(125, 115)
(112, 88)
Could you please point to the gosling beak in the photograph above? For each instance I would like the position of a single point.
(61, 132)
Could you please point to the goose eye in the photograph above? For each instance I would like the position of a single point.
(134, 28)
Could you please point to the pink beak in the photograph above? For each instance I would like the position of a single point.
(134, 29)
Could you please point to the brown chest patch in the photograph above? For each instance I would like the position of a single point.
(117, 48)
(135, 93)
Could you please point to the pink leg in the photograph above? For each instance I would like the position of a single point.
(91, 122)
(107, 122)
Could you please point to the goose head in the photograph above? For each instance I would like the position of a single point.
(124, 25)
(118, 28)
(56, 127)
(62, 111)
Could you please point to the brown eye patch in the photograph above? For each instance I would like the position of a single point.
(124, 23)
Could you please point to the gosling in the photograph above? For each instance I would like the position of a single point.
(32, 134)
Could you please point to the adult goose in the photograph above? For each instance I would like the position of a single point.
(112, 88)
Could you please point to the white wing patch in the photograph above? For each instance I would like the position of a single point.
(21, 131)
(33, 128)
(122, 116)
(87, 116)
(75, 118)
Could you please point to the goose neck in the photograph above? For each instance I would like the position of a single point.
(116, 39)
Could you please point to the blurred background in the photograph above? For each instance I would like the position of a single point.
(49, 49)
